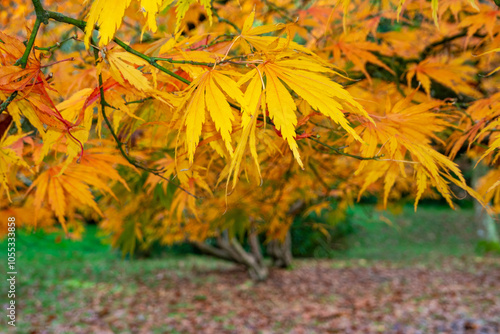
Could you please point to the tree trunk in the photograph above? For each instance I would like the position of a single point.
(281, 252)
(486, 224)
(230, 249)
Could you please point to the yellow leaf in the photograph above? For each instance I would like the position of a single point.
(452, 74)
(206, 94)
(9, 157)
(434, 6)
(253, 98)
(57, 199)
(108, 16)
(65, 191)
(220, 112)
(150, 8)
(282, 111)
(323, 95)
(194, 114)
(121, 69)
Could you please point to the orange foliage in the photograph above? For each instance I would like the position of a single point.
(176, 120)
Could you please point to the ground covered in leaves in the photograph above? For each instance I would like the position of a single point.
(411, 276)
(451, 296)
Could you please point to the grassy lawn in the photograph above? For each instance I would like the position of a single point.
(409, 235)
(85, 287)
(56, 275)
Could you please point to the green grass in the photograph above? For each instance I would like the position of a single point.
(54, 277)
(408, 235)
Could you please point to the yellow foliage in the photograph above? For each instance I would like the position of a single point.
(274, 111)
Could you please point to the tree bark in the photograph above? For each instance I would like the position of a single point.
(486, 224)
(281, 252)
(230, 249)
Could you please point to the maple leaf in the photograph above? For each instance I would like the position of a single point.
(108, 15)
(355, 48)
(456, 6)
(183, 6)
(452, 74)
(494, 146)
(32, 84)
(485, 18)
(72, 110)
(254, 101)
(206, 94)
(489, 187)
(303, 76)
(11, 49)
(406, 131)
(120, 68)
(478, 120)
(65, 190)
(9, 157)
(251, 34)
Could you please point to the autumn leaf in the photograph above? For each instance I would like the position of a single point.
(360, 52)
(305, 77)
(108, 16)
(207, 93)
(403, 136)
(183, 6)
(122, 67)
(9, 158)
(254, 101)
(74, 112)
(64, 190)
(452, 74)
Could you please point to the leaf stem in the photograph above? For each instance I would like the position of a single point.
(197, 63)
(55, 46)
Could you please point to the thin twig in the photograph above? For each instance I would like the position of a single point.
(119, 144)
(338, 151)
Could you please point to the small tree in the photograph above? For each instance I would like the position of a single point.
(146, 114)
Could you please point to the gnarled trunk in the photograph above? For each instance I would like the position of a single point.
(230, 249)
(281, 252)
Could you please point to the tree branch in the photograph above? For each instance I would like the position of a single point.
(119, 144)
(214, 251)
(41, 13)
(339, 152)
(23, 61)
(150, 60)
(65, 19)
